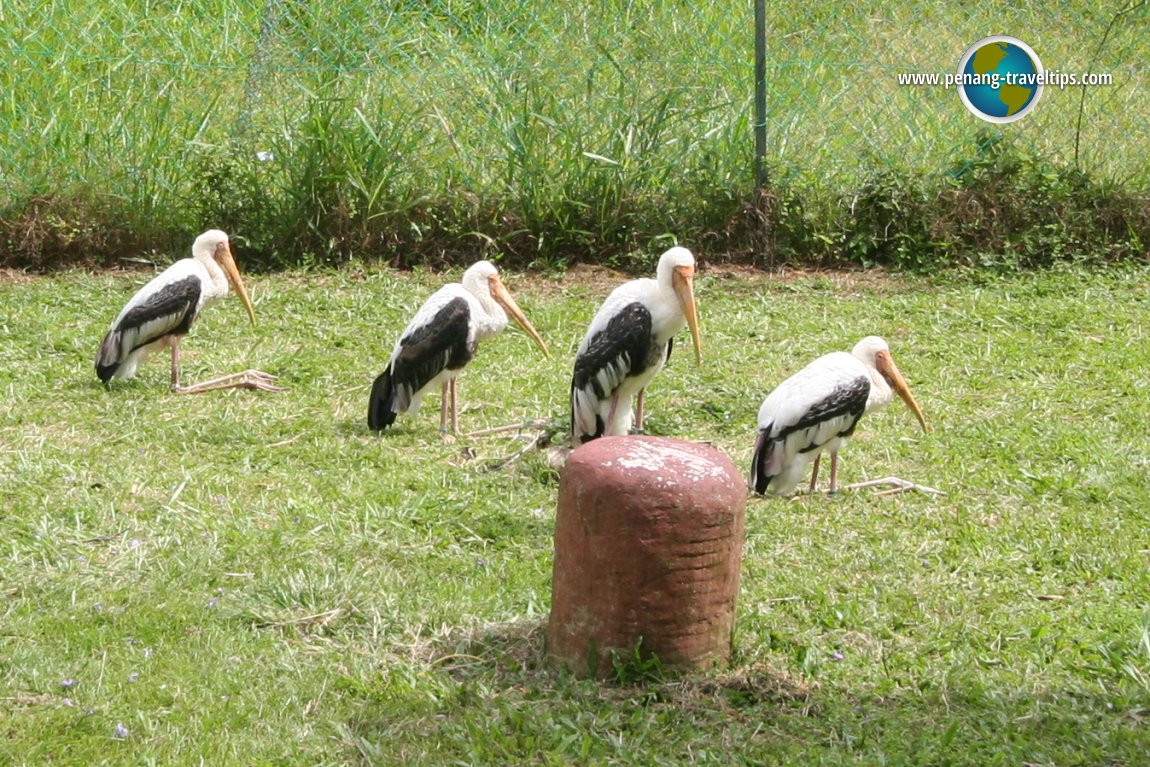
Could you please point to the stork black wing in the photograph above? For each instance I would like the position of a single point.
(616, 352)
(168, 311)
(847, 401)
(620, 350)
(428, 350)
(833, 416)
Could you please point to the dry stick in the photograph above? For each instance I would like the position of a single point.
(536, 424)
(505, 462)
(900, 486)
(321, 618)
(456, 656)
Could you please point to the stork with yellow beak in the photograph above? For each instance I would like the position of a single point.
(441, 338)
(161, 313)
(817, 409)
(627, 344)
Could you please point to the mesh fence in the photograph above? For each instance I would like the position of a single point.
(242, 108)
(837, 104)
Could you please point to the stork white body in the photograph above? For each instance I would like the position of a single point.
(162, 312)
(817, 409)
(439, 341)
(627, 344)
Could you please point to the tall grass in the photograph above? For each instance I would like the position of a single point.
(418, 131)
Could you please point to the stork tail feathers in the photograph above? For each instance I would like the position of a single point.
(583, 409)
(764, 447)
(381, 407)
(107, 358)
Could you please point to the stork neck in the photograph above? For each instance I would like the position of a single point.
(489, 304)
(880, 392)
(667, 317)
(216, 274)
(492, 318)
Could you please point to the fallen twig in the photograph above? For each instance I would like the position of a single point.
(535, 424)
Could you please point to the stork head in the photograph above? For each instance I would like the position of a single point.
(677, 271)
(875, 353)
(482, 279)
(213, 244)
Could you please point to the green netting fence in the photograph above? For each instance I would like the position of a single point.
(550, 131)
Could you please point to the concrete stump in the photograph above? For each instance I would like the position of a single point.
(648, 542)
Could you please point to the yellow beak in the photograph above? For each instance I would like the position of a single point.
(500, 294)
(683, 281)
(885, 365)
(223, 257)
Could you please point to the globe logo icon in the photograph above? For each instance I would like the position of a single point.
(1000, 79)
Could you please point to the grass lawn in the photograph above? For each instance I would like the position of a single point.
(255, 579)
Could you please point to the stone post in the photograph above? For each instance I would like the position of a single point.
(648, 543)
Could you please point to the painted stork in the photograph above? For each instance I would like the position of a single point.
(818, 408)
(628, 343)
(161, 313)
(439, 341)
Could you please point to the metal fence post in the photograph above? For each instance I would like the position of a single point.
(760, 93)
(759, 195)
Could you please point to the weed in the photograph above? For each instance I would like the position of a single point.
(636, 666)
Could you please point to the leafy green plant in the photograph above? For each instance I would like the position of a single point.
(636, 666)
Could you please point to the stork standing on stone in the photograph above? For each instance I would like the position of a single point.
(817, 410)
(627, 344)
(161, 313)
(439, 341)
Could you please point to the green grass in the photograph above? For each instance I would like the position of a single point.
(247, 578)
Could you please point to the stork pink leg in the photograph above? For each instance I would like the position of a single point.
(611, 414)
(639, 410)
(444, 395)
(454, 408)
(815, 473)
(175, 344)
(248, 379)
(834, 472)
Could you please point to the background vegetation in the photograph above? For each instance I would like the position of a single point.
(245, 578)
(429, 132)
